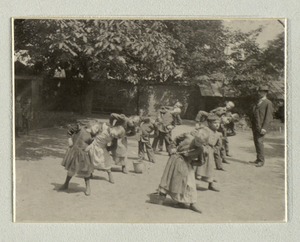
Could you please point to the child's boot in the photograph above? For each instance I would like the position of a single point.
(212, 187)
(124, 170)
(65, 186)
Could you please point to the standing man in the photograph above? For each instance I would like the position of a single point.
(262, 115)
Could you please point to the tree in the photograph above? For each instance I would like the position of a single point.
(273, 58)
(203, 43)
(251, 65)
(136, 51)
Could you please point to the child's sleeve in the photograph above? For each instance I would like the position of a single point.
(114, 118)
(201, 116)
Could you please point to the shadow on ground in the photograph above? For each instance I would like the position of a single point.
(73, 188)
(39, 144)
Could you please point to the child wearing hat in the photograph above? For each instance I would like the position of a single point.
(206, 171)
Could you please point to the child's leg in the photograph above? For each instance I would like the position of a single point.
(122, 161)
(212, 187)
(154, 143)
(65, 186)
(150, 152)
(110, 176)
(179, 119)
(218, 159)
(161, 141)
(168, 141)
(226, 146)
(224, 152)
(141, 150)
(87, 185)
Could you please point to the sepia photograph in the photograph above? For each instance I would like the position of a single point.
(149, 120)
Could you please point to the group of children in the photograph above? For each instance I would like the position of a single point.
(23, 115)
(192, 155)
(98, 146)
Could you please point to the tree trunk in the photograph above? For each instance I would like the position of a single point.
(138, 99)
(87, 94)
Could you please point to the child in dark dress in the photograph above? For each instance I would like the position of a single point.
(77, 160)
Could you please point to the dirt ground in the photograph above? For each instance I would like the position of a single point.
(248, 193)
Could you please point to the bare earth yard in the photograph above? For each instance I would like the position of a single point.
(247, 194)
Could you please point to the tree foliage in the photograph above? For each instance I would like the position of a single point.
(128, 50)
(142, 51)
(251, 65)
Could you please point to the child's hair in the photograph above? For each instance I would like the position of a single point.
(225, 120)
(93, 123)
(117, 131)
(212, 118)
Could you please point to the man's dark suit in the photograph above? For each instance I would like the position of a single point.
(262, 115)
